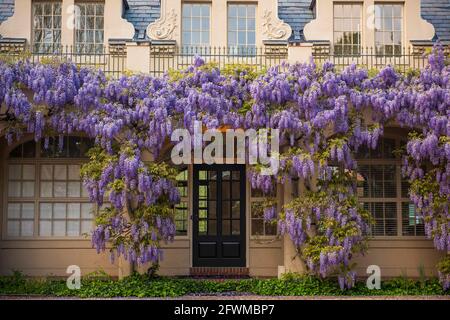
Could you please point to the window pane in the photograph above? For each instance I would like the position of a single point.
(60, 172)
(13, 228)
(46, 189)
(347, 29)
(27, 228)
(14, 189)
(59, 211)
(47, 172)
(28, 189)
(86, 210)
(74, 172)
(28, 172)
(73, 228)
(73, 210)
(15, 172)
(27, 211)
(86, 226)
(13, 210)
(60, 189)
(74, 189)
(46, 210)
(45, 228)
(59, 228)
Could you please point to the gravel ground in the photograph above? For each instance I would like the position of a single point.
(240, 297)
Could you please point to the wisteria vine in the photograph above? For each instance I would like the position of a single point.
(318, 110)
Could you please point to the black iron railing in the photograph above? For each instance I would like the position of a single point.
(171, 57)
(404, 60)
(110, 59)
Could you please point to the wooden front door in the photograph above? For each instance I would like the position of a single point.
(219, 216)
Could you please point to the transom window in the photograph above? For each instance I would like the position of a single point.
(242, 28)
(196, 24)
(45, 195)
(388, 29)
(47, 21)
(89, 34)
(384, 193)
(347, 29)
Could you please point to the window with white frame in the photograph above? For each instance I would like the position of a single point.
(259, 227)
(196, 24)
(242, 28)
(388, 28)
(89, 27)
(47, 21)
(347, 20)
(384, 193)
(181, 209)
(45, 196)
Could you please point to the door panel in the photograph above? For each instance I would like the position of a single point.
(219, 216)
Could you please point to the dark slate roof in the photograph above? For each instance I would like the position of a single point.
(437, 12)
(6, 9)
(141, 13)
(297, 13)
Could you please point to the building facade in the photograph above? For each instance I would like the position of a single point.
(45, 211)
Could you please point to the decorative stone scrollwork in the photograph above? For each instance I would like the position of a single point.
(163, 28)
(275, 29)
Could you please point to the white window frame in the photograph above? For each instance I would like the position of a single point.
(185, 19)
(399, 199)
(46, 47)
(379, 24)
(234, 45)
(352, 19)
(95, 47)
(37, 162)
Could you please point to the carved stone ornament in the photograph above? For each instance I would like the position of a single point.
(163, 28)
(275, 29)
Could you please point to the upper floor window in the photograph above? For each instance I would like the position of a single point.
(47, 21)
(347, 29)
(196, 24)
(44, 192)
(388, 29)
(89, 33)
(242, 28)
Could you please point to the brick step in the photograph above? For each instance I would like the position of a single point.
(219, 272)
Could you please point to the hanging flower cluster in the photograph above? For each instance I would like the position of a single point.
(318, 110)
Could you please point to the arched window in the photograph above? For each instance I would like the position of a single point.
(384, 192)
(44, 191)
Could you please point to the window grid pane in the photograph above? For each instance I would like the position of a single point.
(47, 21)
(347, 29)
(20, 219)
(241, 28)
(258, 226)
(388, 29)
(47, 199)
(89, 27)
(196, 25)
